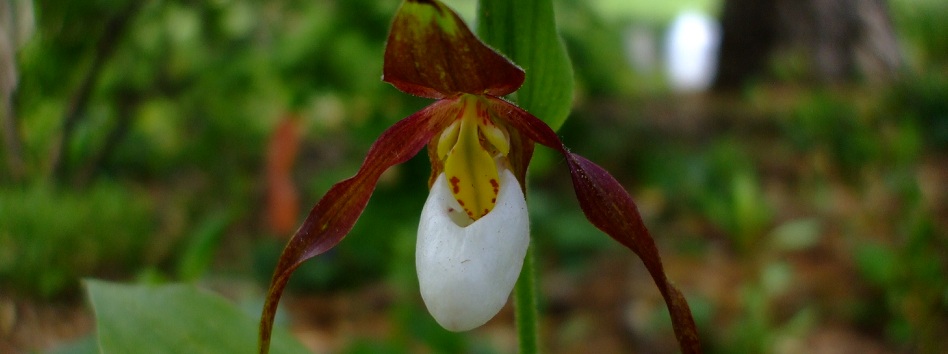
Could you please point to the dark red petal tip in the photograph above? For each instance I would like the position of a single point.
(431, 53)
(611, 209)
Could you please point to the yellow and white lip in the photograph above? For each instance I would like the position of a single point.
(467, 268)
(469, 147)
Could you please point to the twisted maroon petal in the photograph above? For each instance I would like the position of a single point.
(336, 213)
(610, 208)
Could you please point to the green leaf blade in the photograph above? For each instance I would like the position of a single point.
(525, 31)
(174, 319)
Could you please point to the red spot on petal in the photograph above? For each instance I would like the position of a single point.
(455, 184)
(493, 200)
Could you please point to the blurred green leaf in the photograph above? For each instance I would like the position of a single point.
(199, 252)
(797, 234)
(877, 263)
(525, 31)
(85, 345)
(174, 319)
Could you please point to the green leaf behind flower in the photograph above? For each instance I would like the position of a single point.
(525, 31)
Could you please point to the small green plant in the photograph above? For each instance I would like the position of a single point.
(730, 195)
(907, 272)
(832, 125)
(49, 238)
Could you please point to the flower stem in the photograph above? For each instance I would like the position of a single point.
(525, 306)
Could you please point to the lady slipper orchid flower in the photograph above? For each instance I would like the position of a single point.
(474, 229)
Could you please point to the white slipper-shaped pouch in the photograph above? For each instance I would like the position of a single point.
(467, 269)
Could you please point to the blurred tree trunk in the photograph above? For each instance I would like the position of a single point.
(112, 34)
(16, 27)
(126, 104)
(838, 40)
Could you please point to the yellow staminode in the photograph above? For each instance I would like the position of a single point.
(468, 148)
